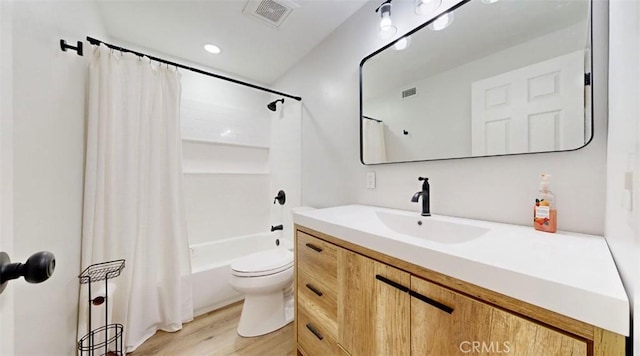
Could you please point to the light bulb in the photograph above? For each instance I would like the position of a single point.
(387, 29)
(424, 7)
(387, 32)
(442, 22)
(385, 22)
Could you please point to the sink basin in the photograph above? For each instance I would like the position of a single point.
(430, 229)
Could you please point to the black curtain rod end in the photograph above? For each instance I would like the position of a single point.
(64, 46)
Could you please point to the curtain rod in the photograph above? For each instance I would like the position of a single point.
(97, 42)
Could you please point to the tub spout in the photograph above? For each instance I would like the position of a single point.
(277, 227)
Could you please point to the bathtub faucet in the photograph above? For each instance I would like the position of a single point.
(277, 227)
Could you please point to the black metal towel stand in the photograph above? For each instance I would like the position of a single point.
(106, 339)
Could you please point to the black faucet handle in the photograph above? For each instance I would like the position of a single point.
(422, 178)
(281, 198)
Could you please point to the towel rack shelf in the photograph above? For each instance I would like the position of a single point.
(106, 339)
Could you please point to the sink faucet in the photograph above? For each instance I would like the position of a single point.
(425, 196)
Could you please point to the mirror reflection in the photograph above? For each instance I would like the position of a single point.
(504, 77)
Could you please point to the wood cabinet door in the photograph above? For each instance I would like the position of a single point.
(373, 307)
(444, 322)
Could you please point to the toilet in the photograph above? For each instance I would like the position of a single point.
(266, 280)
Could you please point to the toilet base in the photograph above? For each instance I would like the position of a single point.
(265, 313)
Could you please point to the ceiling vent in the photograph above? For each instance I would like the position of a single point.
(272, 12)
(409, 93)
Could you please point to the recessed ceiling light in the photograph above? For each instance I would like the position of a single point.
(212, 48)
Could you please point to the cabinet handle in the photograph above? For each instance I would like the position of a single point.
(444, 308)
(315, 331)
(314, 290)
(392, 283)
(314, 247)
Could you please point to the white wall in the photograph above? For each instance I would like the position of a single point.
(622, 228)
(49, 123)
(6, 170)
(498, 188)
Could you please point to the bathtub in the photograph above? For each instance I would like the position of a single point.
(210, 268)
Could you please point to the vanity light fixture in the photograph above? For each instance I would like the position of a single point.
(424, 7)
(212, 48)
(443, 21)
(387, 29)
(402, 43)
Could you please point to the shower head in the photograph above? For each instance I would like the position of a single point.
(272, 106)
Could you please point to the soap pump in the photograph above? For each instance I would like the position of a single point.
(545, 214)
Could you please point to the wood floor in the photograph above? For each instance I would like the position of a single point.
(215, 334)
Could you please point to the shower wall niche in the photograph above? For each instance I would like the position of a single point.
(226, 132)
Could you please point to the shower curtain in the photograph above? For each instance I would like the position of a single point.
(133, 197)
(373, 148)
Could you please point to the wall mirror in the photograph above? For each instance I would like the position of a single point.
(505, 77)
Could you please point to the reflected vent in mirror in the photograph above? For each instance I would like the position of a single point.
(271, 12)
(408, 93)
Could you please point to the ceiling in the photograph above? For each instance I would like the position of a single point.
(251, 48)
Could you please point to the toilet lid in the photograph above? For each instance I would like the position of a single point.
(263, 263)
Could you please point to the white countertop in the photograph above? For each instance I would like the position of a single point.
(569, 273)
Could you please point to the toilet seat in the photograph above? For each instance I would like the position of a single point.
(263, 263)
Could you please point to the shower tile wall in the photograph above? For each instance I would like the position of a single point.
(226, 138)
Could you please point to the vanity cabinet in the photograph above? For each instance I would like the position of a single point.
(373, 316)
(462, 325)
(354, 301)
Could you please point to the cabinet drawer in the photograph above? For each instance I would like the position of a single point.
(314, 337)
(319, 300)
(317, 291)
(317, 258)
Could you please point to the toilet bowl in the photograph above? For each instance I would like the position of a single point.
(266, 280)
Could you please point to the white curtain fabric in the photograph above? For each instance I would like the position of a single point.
(373, 147)
(133, 198)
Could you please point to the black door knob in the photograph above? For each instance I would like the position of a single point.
(38, 268)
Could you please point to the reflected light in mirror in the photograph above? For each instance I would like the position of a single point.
(402, 43)
(213, 49)
(424, 7)
(490, 1)
(443, 21)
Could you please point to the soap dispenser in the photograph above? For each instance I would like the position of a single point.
(545, 214)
